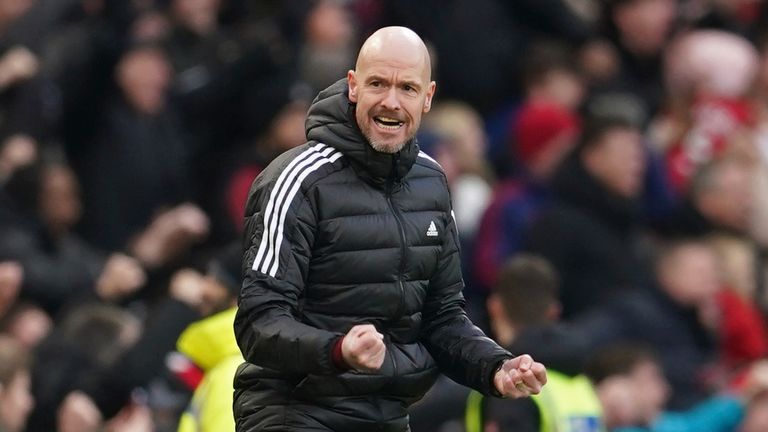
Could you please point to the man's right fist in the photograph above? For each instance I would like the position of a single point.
(363, 348)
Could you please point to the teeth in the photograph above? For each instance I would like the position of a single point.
(388, 119)
(388, 123)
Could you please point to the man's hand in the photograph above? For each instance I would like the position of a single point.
(78, 413)
(121, 277)
(363, 348)
(520, 377)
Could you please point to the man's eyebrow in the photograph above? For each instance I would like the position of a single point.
(412, 83)
(376, 78)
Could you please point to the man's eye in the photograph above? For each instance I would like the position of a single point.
(375, 84)
(408, 88)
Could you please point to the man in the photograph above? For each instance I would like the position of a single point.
(589, 232)
(351, 301)
(524, 311)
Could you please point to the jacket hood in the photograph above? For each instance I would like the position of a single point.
(331, 121)
(211, 340)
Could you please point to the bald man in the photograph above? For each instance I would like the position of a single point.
(351, 302)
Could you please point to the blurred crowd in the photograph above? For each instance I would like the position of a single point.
(608, 162)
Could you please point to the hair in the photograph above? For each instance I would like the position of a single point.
(13, 359)
(668, 248)
(706, 175)
(619, 359)
(543, 57)
(25, 186)
(527, 285)
(596, 128)
(97, 330)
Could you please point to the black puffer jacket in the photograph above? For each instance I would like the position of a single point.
(338, 235)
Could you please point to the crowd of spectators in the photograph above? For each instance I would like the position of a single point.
(621, 145)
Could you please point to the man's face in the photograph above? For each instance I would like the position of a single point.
(729, 201)
(651, 390)
(618, 161)
(392, 90)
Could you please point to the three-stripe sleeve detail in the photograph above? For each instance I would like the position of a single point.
(267, 259)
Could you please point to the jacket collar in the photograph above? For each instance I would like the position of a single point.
(331, 120)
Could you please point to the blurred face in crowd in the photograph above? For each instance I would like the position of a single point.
(644, 25)
(392, 88)
(12, 9)
(562, 87)
(216, 296)
(690, 274)
(197, 15)
(617, 398)
(462, 135)
(328, 25)
(60, 204)
(144, 76)
(727, 201)
(16, 402)
(287, 129)
(617, 160)
(651, 390)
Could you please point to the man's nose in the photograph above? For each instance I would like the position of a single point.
(391, 100)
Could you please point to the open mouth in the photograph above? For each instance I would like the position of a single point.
(388, 122)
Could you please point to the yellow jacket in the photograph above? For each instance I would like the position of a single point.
(210, 344)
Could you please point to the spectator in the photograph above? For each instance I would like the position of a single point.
(143, 159)
(677, 317)
(544, 134)
(589, 232)
(720, 200)
(524, 311)
(633, 391)
(639, 31)
(59, 267)
(89, 338)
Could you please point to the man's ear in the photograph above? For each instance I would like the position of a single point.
(430, 94)
(352, 82)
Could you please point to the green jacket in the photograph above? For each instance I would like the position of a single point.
(210, 344)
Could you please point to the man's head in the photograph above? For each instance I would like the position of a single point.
(629, 383)
(643, 26)
(612, 151)
(392, 87)
(525, 295)
(688, 271)
(722, 192)
(144, 76)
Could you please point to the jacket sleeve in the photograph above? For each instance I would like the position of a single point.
(267, 325)
(463, 352)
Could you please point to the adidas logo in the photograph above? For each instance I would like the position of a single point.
(432, 230)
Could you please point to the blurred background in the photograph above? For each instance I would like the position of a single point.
(608, 161)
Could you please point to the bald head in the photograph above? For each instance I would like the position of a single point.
(391, 87)
(395, 44)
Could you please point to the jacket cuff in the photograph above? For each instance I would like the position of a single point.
(496, 367)
(337, 357)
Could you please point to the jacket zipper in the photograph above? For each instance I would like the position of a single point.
(401, 229)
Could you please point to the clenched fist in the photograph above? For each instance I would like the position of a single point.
(520, 377)
(363, 348)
